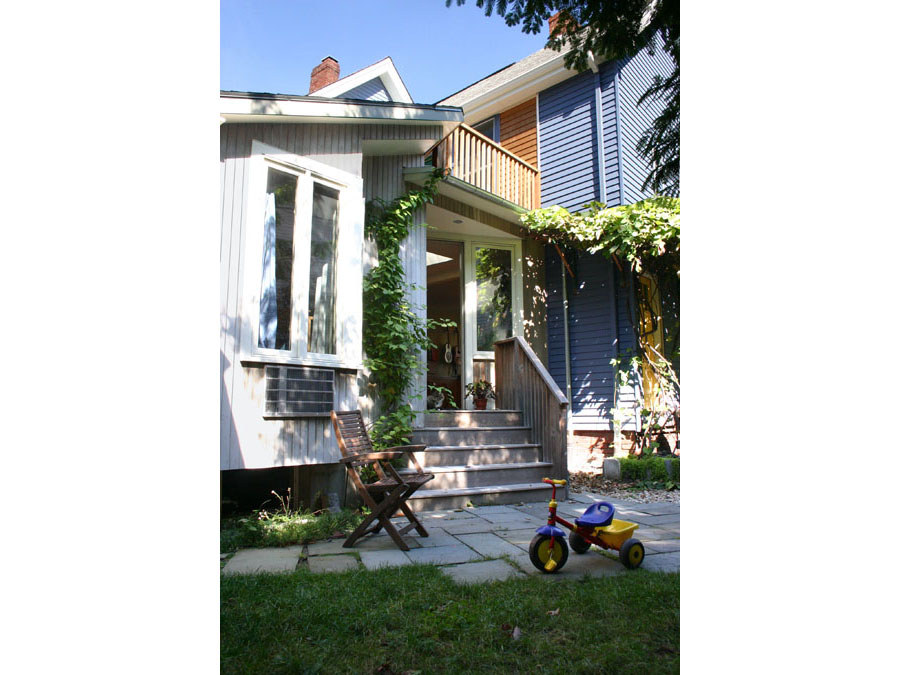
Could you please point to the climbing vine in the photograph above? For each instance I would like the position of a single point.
(393, 334)
(644, 242)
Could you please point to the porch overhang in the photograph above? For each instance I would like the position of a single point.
(467, 193)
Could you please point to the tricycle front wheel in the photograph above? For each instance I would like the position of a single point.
(540, 553)
(632, 553)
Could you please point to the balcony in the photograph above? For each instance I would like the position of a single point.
(477, 160)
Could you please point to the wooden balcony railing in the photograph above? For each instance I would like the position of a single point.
(522, 383)
(477, 160)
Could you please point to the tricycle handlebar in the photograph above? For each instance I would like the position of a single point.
(551, 481)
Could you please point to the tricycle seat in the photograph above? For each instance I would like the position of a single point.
(598, 514)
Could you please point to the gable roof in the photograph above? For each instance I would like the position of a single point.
(512, 85)
(384, 69)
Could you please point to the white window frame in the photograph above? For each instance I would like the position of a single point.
(348, 261)
(471, 302)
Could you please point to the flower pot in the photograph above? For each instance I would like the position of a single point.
(480, 403)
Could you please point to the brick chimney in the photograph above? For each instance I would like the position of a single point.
(551, 22)
(324, 74)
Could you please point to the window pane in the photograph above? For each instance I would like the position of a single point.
(493, 277)
(486, 128)
(278, 260)
(321, 270)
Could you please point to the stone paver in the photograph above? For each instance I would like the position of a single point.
(460, 540)
(256, 560)
(656, 520)
(468, 526)
(661, 546)
(382, 543)
(592, 564)
(569, 510)
(332, 563)
(329, 547)
(485, 510)
(517, 520)
(436, 537)
(480, 572)
(430, 516)
(520, 538)
(654, 533)
(373, 560)
(443, 555)
(489, 544)
(663, 562)
(661, 508)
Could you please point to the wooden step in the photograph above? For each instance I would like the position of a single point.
(447, 477)
(473, 418)
(458, 498)
(450, 455)
(471, 435)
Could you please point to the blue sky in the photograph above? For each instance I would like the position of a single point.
(272, 45)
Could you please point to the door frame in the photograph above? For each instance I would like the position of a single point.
(468, 311)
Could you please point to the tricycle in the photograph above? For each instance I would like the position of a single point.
(548, 550)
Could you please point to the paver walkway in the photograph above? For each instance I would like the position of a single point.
(479, 544)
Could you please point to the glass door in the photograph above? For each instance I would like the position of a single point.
(444, 265)
(493, 303)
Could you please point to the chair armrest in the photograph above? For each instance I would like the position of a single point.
(410, 449)
(370, 456)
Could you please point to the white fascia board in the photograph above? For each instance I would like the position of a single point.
(528, 85)
(268, 110)
(467, 193)
(384, 69)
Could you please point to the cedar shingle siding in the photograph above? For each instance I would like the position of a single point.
(518, 131)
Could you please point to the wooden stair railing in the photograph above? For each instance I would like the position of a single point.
(523, 383)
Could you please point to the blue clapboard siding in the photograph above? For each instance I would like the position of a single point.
(607, 83)
(629, 396)
(373, 90)
(635, 75)
(568, 143)
(556, 349)
(593, 321)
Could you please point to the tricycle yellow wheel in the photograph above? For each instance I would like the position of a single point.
(540, 554)
(632, 553)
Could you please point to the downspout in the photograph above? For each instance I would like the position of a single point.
(565, 294)
(614, 316)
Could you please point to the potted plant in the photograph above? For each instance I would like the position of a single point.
(480, 391)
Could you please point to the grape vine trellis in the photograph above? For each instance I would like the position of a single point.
(641, 238)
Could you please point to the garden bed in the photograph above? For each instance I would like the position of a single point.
(640, 492)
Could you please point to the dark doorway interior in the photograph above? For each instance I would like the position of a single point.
(444, 293)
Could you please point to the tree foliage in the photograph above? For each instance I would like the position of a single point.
(616, 29)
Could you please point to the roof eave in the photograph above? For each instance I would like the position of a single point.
(243, 107)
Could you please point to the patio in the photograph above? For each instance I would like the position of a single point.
(479, 544)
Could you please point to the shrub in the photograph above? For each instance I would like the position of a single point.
(650, 468)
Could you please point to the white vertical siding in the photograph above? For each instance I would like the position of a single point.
(246, 439)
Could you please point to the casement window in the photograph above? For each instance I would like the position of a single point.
(302, 269)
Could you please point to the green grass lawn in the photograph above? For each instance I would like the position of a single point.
(415, 619)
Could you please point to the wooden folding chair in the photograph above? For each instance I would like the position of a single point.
(357, 451)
